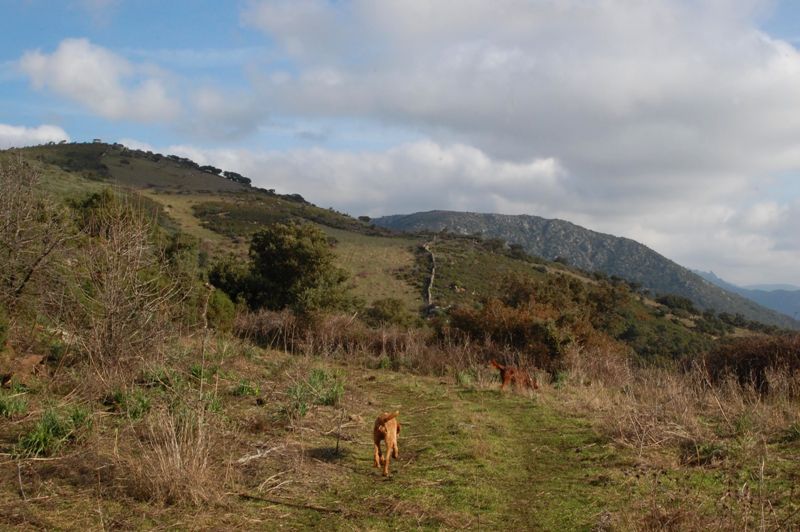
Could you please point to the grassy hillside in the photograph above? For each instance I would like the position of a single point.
(591, 251)
(134, 395)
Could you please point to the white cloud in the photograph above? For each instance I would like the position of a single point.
(19, 136)
(414, 176)
(136, 144)
(664, 115)
(102, 81)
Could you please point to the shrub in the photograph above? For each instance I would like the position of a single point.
(677, 303)
(388, 311)
(541, 342)
(33, 230)
(749, 359)
(120, 297)
(221, 311)
(291, 265)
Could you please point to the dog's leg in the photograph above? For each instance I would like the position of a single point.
(386, 461)
(395, 450)
(377, 456)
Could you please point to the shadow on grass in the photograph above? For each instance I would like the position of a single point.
(328, 454)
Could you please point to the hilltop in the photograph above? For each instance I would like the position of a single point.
(591, 251)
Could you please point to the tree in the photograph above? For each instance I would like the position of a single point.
(291, 265)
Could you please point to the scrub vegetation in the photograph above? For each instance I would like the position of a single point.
(223, 367)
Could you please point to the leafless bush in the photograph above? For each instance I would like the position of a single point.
(117, 297)
(347, 338)
(32, 230)
(606, 362)
(270, 329)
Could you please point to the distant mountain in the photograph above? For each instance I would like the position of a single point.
(591, 251)
(781, 300)
(772, 287)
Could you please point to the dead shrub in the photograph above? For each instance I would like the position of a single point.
(269, 329)
(117, 297)
(33, 231)
(601, 360)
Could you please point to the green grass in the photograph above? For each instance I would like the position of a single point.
(377, 266)
(12, 404)
(52, 431)
(470, 457)
(482, 460)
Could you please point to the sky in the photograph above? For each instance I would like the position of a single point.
(672, 122)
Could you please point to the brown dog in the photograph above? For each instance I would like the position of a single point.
(387, 427)
(514, 375)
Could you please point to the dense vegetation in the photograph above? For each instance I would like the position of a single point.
(150, 378)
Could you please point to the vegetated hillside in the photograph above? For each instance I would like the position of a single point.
(134, 395)
(591, 251)
(381, 265)
(785, 301)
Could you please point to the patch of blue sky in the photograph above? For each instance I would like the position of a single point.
(345, 134)
(783, 21)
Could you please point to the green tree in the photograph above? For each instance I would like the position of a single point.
(291, 265)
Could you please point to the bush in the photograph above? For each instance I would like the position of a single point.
(388, 311)
(291, 265)
(751, 358)
(221, 311)
(541, 342)
(120, 297)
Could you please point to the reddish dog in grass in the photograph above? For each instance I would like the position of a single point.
(386, 428)
(514, 375)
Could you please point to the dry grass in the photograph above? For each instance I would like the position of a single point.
(714, 447)
(171, 461)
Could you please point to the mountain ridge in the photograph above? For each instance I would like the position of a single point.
(780, 300)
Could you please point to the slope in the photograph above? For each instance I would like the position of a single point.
(783, 300)
(590, 251)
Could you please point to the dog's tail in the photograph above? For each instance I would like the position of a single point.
(494, 363)
(386, 416)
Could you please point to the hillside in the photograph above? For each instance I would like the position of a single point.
(135, 394)
(784, 300)
(590, 251)
(382, 265)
